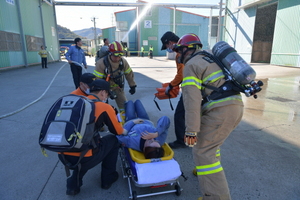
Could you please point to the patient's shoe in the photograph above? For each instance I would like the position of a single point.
(114, 178)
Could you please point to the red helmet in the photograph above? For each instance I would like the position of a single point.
(189, 41)
(116, 47)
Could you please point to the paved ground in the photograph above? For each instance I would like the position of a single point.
(261, 157)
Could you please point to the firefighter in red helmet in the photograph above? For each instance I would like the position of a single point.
(115, 69)
(208, 121)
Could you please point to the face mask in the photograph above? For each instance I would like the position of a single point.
(169, 50)
(104, 100)
(87, 91)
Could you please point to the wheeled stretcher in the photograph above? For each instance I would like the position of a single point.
(153, 173)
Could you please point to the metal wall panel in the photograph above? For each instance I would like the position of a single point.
(286, 42)
(239, 28)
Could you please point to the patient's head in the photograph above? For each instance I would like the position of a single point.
(152, 149)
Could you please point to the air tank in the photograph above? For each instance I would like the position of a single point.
(242, 72)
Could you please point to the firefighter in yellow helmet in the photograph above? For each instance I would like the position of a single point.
(208, 121)
(115, 69)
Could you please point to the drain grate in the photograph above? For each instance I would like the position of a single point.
(281, 99)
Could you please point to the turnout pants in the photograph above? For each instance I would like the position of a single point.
(121, 98)
(216, 125)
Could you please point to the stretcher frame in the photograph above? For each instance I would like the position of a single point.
(128, 174)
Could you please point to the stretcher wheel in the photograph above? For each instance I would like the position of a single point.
(134, 195)
(178, 190)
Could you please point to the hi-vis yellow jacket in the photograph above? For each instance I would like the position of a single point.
(198, 71)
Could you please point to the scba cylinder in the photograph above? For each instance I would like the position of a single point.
(242, 72)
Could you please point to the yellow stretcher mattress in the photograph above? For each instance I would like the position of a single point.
(139, 157)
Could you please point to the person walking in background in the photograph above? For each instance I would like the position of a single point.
(168, 40)
(151, 51)
(44, 54)
(142, 51)
(103, 51)
(76, 57)
(209, 121)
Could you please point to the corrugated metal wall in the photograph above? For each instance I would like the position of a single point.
(9, 24)
(286, 43)
(240, 24)
(14, 54)
(154, 25)
(128, 17)
(239, 28)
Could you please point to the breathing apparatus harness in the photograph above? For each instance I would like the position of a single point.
(118, 79)
(230, 87)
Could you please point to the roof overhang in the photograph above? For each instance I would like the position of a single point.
(253, 3)
(69, 3)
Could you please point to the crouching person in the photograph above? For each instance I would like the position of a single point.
(140, 133)
(106, 150)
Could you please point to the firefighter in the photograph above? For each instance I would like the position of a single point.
(114, 68)
(208, 122)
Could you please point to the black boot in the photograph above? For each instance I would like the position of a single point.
(73, 186)
(108, 183)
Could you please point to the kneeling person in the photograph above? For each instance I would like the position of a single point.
(107, 146)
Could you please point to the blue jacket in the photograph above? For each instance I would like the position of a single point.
(133, 138)
(75, 53)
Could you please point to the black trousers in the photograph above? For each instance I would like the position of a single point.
(179, 121)
(107, 153)
(76, 72)
(44, 62)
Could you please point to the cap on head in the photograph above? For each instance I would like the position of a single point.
(99, 84)
(87, 78)
(168, 36)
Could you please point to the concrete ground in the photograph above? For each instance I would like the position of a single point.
(261, 157)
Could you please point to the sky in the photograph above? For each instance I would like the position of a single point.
(80, 17)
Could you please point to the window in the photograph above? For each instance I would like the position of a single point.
(33, 43)
(10, 41)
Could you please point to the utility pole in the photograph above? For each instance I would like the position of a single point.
(95, 32)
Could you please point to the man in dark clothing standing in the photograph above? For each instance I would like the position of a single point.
(168, 40)
(76, 57)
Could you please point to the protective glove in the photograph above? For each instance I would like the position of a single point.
(167, 91)
(190, 139)
(132, 89)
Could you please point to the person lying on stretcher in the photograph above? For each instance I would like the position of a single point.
(140, 133)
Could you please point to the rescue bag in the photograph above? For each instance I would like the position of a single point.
(173, 93)
(69, 127)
